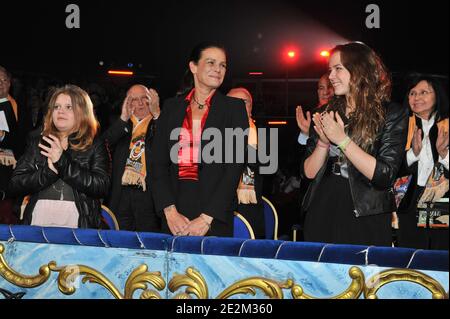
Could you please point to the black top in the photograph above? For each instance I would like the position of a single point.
(217, 181)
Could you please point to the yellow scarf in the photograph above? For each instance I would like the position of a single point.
(135, 167)
(14, 105)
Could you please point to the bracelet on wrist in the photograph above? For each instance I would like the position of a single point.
(343, 145)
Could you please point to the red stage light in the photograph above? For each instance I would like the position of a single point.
(255, 73)
(325, 53)
(291, 54)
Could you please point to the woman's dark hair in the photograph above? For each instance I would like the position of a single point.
(187, 83)
(441, 105)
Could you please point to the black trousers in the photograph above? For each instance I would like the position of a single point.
(136, 211)
(411, 236)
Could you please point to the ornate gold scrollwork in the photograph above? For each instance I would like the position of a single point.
(388, 276)
(196, 284)
(354, 291)
(270, 288)
(68, 274)
(139, 278)
(21, 280)
(194, 281)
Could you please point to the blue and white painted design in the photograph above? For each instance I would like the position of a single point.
(320, 280)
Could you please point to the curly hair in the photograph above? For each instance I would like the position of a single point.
(370, 89)
(86, 126)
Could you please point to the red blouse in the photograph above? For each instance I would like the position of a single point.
(188, 154)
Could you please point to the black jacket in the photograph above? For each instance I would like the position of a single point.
(217, 181)
(375, 196)
(86, 172)
(118, 137)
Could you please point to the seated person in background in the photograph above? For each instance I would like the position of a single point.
(64, 169)
(249, 191)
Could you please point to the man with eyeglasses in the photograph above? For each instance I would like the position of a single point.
(130, 138)
(8, 142)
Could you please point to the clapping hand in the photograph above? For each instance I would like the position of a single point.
(154, 103)
(318, 128)
(127, 109)
(333, 127)
(442, 142)
(303, 122)
(417, 141)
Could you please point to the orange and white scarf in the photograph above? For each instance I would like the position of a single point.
(135, 167)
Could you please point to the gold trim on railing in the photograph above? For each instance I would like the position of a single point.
(392, 275)
(270, 288)
(196, 284)
(19, 279)
(139, 279)
(194, 281)
(354, 291)
(68, 274)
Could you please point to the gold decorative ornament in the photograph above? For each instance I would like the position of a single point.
(392, 275)
(354, 291)
(194, 281)
(150, 294)
(139, 279)
(270, 288)
(196, 285)
(19, 279)
(68, 274)
(182, 296)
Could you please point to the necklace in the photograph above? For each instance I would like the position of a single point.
(60, 191)
(200, 106)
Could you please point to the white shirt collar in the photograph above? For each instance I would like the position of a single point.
(427, 124)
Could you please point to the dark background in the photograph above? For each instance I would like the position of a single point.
(160, 34)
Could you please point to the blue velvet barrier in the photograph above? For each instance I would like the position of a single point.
(302, 251)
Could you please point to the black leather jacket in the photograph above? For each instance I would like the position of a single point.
(376, 196)
(87, 172)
